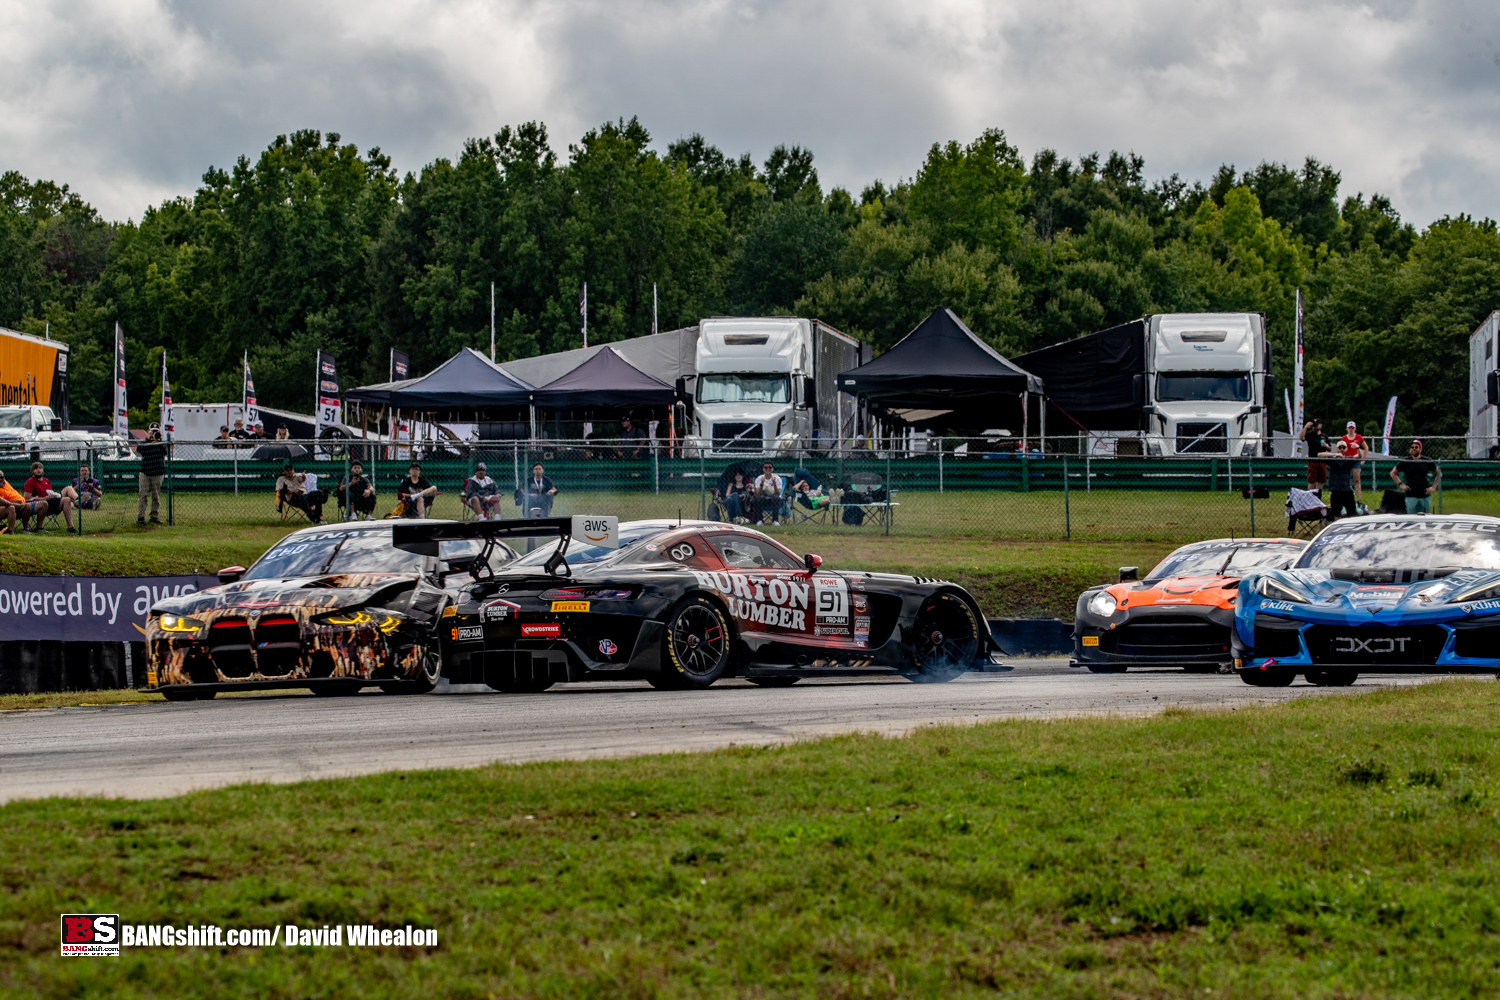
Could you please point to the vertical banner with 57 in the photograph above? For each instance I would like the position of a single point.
(330, 409)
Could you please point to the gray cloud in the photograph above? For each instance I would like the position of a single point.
(131, 100)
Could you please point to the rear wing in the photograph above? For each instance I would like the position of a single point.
(589, 529)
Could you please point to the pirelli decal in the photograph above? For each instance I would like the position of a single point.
(570, 605)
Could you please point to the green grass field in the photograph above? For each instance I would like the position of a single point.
(1340, 847)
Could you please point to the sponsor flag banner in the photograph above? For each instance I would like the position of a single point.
(1390, 418)
(122, 414)
(1299, 404)
(583, 310)
(330, 409)
(251, 410)
(166, 400)
(400, 366)
(85, 608)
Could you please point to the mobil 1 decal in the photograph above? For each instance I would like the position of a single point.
(831, 606)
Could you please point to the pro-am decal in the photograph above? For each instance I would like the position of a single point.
(831, 596)
(780, 602)
(466, 633)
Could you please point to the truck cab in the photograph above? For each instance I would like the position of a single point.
(761, 382)
(1207, 385)
(36, 433)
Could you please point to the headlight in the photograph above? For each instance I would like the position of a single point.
(177, 623)
(1103, 604)
(1267, 587)
(1487, 592)
(345, 618)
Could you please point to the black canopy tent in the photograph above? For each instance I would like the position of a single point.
(1091, 381)
(604, 382)
(465, 384)
(940, 366)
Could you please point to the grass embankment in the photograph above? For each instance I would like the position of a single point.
(1329, 847)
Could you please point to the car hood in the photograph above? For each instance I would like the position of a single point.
(1326, 593)
(330, 592)
(1203, 591)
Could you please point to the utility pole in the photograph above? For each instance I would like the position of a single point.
(653, 308)
(583, 308)
(492, 321)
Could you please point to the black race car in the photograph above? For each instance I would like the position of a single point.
(682, 604)
(332, 607)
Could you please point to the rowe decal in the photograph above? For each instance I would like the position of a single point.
(756, 599)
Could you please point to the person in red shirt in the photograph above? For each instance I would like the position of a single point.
(39, 487)
(14, 503)
(1354, 443)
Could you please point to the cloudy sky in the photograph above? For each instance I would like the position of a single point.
(130, 100)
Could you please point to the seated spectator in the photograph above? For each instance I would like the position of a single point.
(482, 494)
(16, 504)
(39, 487)
(224, 436)
(539, 492)
(805, 486)
(415, 493)
(737, 498)
(358, 494)
(632, 439)
(282, 434)
(258, 432)
(86, 492)
(239, 433)
(292, 489)
(770, 495)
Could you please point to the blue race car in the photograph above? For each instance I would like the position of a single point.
(1384, 594)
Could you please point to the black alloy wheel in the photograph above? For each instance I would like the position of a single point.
(1332, 678)
(945, 638)
(697, 645)
(426, 679)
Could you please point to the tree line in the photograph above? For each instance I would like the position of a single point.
(314, 244)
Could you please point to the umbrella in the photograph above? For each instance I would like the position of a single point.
(272, 452)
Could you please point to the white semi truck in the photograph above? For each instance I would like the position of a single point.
(1484, 391)
(1207, 388)
(767, 385)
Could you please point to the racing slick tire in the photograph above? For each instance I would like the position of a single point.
(175, 693)
(1331, 678)
(773, 682)
(697, 645)
(945, 638)
(1268, 678)
(432, 668)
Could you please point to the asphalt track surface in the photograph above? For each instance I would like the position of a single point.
(159, 749)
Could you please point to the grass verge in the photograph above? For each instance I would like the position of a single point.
(1325, 848)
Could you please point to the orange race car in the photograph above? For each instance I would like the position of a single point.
(1180, 614)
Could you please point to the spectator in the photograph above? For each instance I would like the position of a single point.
(239, 433)
(39, 487)
(282, 434)
(539, 493)
(299, 490)
(1317, 472)
(805, 486)
(415, 493)
(87, 493)
(1422, 477)
(153, 454)
(482, 494)
(1341, 465)
(258, 431)
(1355, 442)
(632, 439)
(769, 489)
(358, 494)
(737, 504)
(225, 439)
(15, 504)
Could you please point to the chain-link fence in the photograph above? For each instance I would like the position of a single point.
(931, 488)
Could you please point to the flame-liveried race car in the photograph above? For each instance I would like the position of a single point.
(683, 604)
(1387, 593)
(1180, 614)
(332, 607)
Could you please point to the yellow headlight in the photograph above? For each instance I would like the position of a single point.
(177, 623)
(352, 618)
(389, 624)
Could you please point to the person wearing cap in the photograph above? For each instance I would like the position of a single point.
(292, 490)
(482, 494)
(1354, 444)
(358, 494)
(258, 431)
(224, 440)
(1421, 475)
(1317, 472)
(153, 456)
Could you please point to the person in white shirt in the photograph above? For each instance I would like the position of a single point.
(768, 493)
(482, 494)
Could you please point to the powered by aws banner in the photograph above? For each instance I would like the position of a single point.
(85, 608)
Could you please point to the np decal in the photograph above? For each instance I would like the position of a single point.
(607, 647)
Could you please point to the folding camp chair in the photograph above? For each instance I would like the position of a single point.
(807, 509)
(1305, 513)
(866, 499)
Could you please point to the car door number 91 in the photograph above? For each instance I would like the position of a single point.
(832, 601)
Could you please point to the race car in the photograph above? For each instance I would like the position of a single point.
(685, 603)
(331, 607)
(1387, 593)
(1180, 614)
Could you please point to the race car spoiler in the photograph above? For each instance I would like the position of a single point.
(590, 529)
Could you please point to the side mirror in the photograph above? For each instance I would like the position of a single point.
(1492, 387)
(56, 425)
(809, 390)
(231, 574)
(812, 562)
(680, 387)
(1138, 390)
(1129, 573)
(1268, 397)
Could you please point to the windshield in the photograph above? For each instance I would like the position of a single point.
(1229, 559)
(15, 418)
(588, 554)
(1230, 386)
(768, 388)
(1405, 545)
(319, 552)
